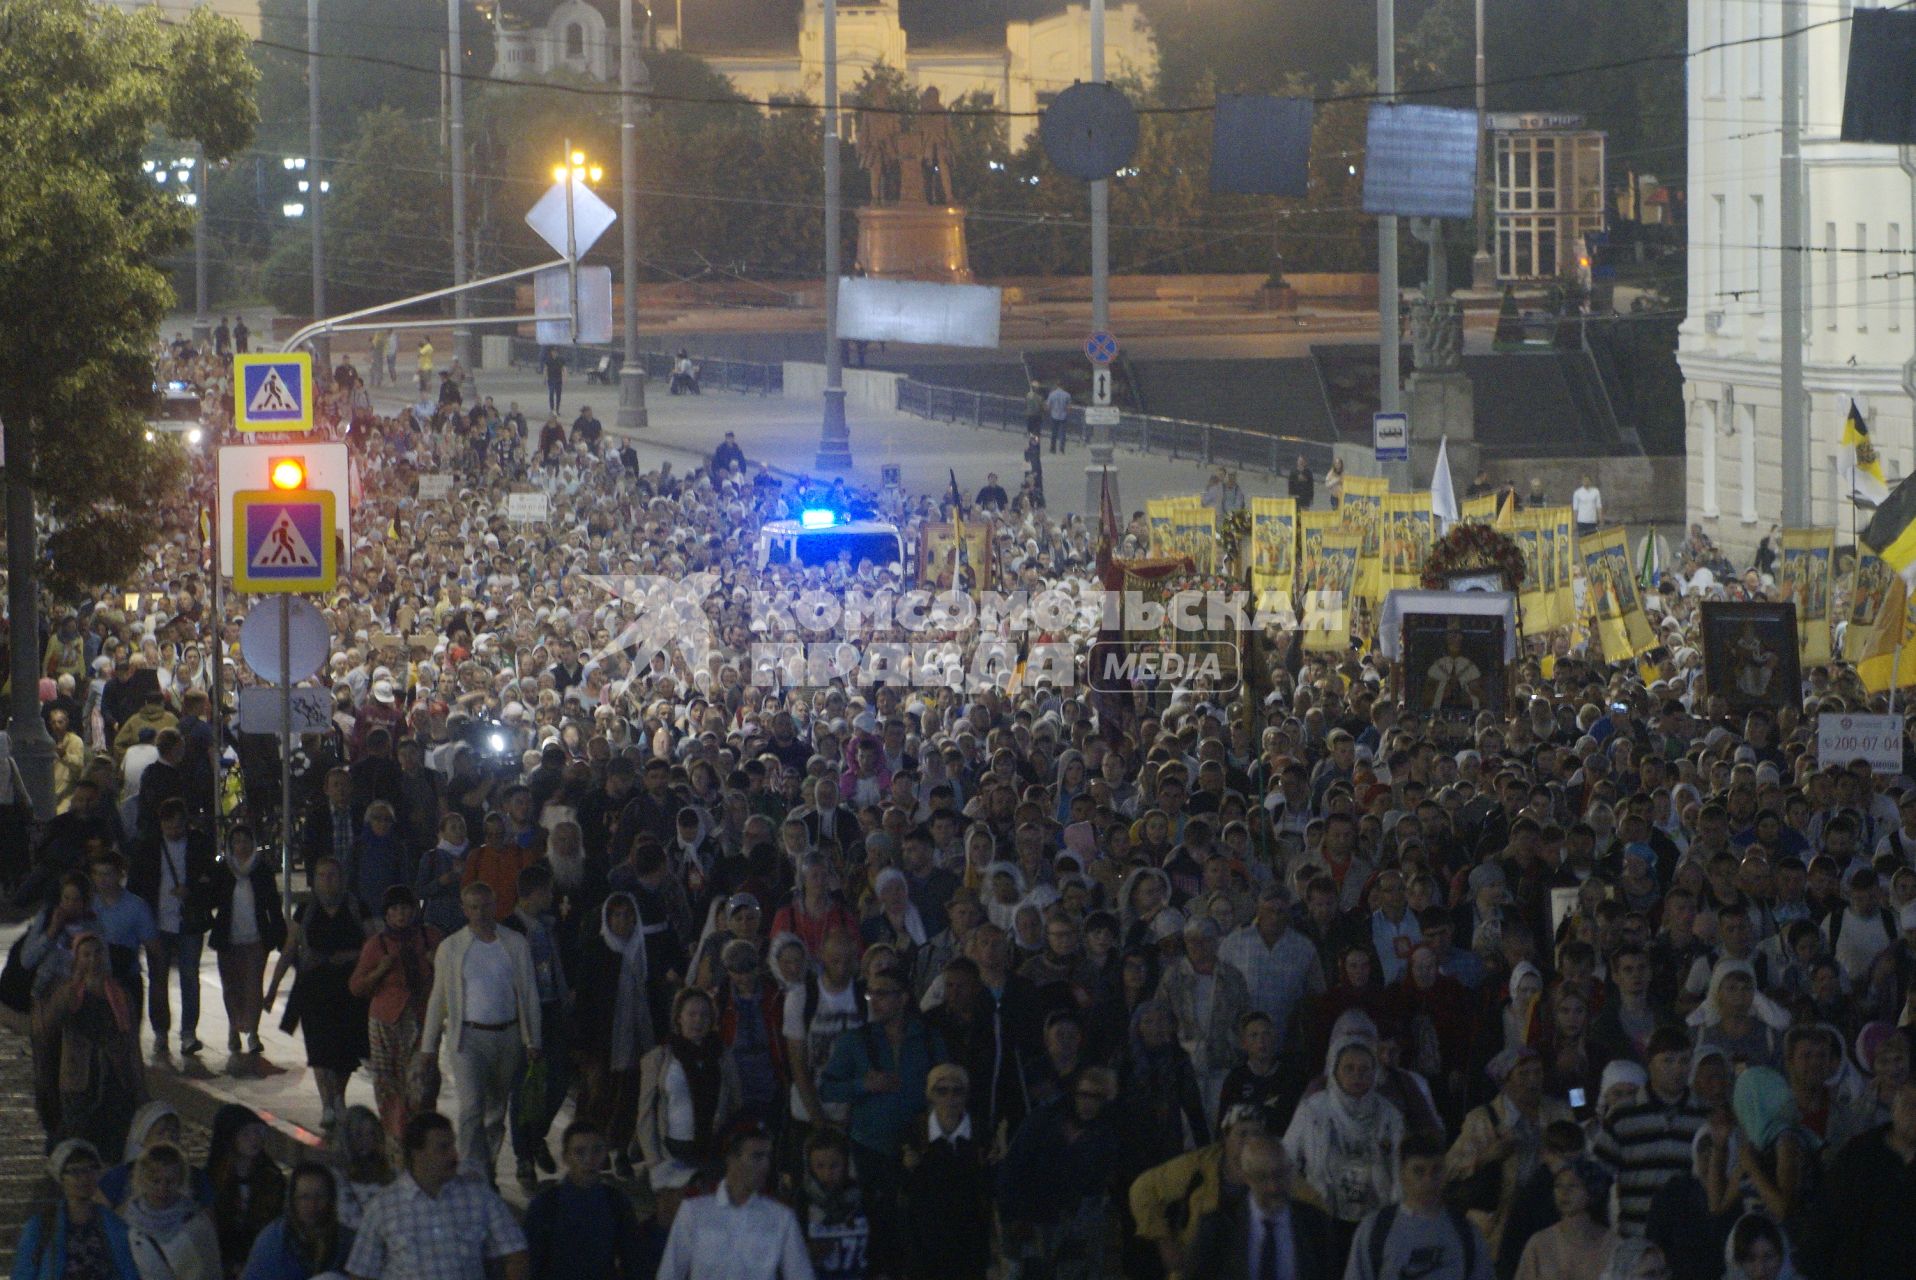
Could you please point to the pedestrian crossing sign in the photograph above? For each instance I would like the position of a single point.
(273, 392)
(285, 540)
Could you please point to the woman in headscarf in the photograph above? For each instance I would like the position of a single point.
(1352, 988)
(896, 922)
(358, 1159)
(1142, 898)
(1163, 1112)
(308, 1239)
(689, 1089)
(93, 1027)
(1343, 1141)
(394, 976)
(1523, 990)
(249, 1191)
(171, 1236)
(75, 1237)
(1027, 933)
(1884, 1054)
(1738, 1019)
(1002, 890)
(788, 962)
(328, 936)
(614, 1020)
(1768, 1163)
(1562, 1039)
(1578, 1247)
(1758, 1249)
(1068, 784)
(153, 1124)
(441, 873)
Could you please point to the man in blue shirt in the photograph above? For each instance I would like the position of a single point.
(126, 922)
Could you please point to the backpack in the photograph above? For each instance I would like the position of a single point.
(1380, 1236)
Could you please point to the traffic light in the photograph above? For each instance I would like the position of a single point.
(287, 473)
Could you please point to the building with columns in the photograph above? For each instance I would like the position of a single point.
(1018, 54)
(1858, 325)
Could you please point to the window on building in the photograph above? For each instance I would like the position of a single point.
(1893, 272)
(575, 41)
(1828, 302)
(1863, 271)
(1754, 285)
(1746, 437)
(1719, 226)
(1707, 418)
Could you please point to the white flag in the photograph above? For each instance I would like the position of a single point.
(1443, 495)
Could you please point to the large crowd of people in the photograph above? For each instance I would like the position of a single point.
(740, 976)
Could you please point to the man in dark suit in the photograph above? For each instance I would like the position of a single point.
(1259, 1233)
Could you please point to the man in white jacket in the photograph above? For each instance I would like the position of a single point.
(485, 998)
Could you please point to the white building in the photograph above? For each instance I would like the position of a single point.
(1857, 321)
(1020, 65)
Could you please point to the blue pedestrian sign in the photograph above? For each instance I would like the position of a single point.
(285, 541)
(1101, 347)
(273, 392)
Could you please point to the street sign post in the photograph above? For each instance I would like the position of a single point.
(273, 392)
(307, 646)
(1101, 347)
(1101, 415)
(1101, 384)
(259, 710)
(285, 541)
(1390, 437)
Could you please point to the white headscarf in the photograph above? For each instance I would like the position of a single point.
(914, 924)
(631, 1014)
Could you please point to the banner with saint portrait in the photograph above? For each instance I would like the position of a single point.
(1873, 593)
(1325, 586)
(956, 554)
(1161, 514)
(1531, 532)
(1610, 596)
(1273, 549)
(1803, 578)
(1362, 513)
(1408, 529)
(1194, 535)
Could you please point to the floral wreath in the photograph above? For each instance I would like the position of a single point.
(1474, 548)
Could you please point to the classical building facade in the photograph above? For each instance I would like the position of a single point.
(1857, 291)
(1019, 63)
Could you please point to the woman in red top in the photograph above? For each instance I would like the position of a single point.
(394, 974)
(815, 909)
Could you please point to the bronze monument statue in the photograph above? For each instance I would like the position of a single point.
(911, 230)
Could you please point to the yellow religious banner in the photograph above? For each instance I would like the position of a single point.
(1404, 544)
(1531, 532)
(1326, 578)
(1803, 577)
(1160, 513)
(1875, 582)
(1362, 513)
(1273, 549)
(1478, 510)
(1194, 535)
(1563, 549)
(956, 555)
(1621, 630)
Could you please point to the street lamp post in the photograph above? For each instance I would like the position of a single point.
(456, 131)
(1483, 270)
(632, 414)
(834, 436)
(202, 323)
(321, 348)
(1389, 393)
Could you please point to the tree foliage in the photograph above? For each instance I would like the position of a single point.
(388, 224)
(83, 87)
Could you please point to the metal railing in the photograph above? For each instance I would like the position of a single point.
(744, 376)
(1147, 433)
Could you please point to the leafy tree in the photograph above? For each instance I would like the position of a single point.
(82, 89)
(388, 224)
(373, 53)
